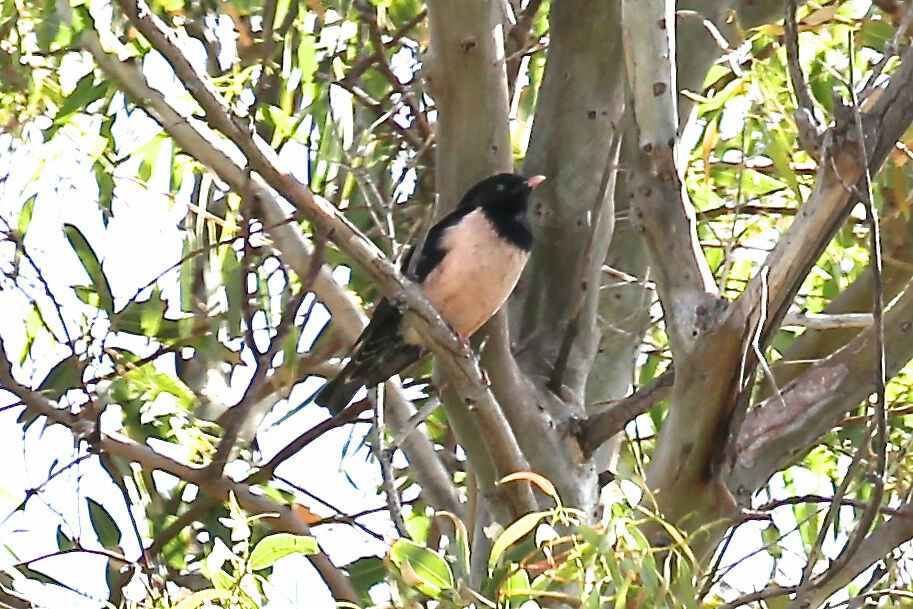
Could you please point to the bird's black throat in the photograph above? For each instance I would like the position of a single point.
(512, 225)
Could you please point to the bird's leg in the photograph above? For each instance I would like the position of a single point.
(464, 341)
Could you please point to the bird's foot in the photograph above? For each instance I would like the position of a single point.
(463, 340)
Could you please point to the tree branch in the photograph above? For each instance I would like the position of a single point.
(782, 427)
(574, 142)
(659, 204)
(809, 135)
(600, 427)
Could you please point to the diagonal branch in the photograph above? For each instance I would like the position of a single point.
(880, 543)
(780, 428)
(600, 427)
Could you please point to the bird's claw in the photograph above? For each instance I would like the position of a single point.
(464, 341)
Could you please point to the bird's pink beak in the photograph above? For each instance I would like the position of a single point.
(534, 181)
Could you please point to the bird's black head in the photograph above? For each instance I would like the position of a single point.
(504, 199)
(505, 193)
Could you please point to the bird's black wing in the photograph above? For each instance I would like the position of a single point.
(432, 253)
(380, 351)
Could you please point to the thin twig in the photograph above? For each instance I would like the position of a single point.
(384, 457)
(191, 514)
(341, 516)
(109, 555)
(808, 128)
(880, 435)
(791, 38)
(831, 514)
(760, 595)
(110, 467)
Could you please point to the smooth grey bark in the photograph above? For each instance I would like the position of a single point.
(573, 142)
(623, 314)
(466, 75)
(623, 309)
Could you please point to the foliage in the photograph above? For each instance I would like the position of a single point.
(169, 314)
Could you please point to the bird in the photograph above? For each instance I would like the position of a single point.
(467, 266)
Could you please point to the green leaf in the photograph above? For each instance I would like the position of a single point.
(25, 216)
(516, 588)
(147, 318)
(593, 599)
(105, 183)
(716, 72)
(771, 537)
(757, 184)
(65, 375)
(270, 549)
(512, 534)
(34, 325)
(84, 94)
(105, 528)
(112, 575)
(307, 58)
(421, 568)
(198, 599)
(365, 573)
(232, 275)
(727, 93)
(63, 540)
(39, 577)
(92, 265)
(417, 526)
(281, 11)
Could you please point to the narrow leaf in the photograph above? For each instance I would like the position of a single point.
(92, 265)
(512, 534)
(63, 540)
(65, 375)
(540, 481)
(106, 529)
(197, 599)
(25, 216)
(272, 548)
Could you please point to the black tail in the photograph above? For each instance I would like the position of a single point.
(337, 392)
